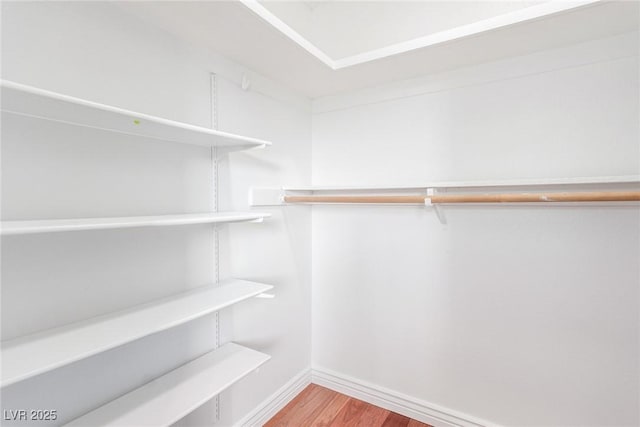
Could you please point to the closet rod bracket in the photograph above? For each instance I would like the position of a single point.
(436, 208)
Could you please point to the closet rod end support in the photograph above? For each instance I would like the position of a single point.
(427, 200)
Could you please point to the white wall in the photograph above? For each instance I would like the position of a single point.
(519, 316)
(95, 51)
(512, 315)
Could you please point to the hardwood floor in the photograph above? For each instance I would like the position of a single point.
(318, 406)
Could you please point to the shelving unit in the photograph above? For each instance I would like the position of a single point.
(84, 224)
(168, 398)
(31, 355)
(173, 395)
(34, 102)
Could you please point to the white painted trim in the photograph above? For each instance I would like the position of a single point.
(278, 400)
(427, 412)
(479, 27)
(285, 29)
(519, 16)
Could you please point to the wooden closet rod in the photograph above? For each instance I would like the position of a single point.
(594, 196)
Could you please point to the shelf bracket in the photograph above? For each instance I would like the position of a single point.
(266, 196)
(265, 295)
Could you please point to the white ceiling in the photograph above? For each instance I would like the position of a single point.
(345, 28)
(253, 35)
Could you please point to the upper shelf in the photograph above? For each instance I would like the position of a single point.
(34, 354)
(33, 102)
(83, 224)
(481, 184)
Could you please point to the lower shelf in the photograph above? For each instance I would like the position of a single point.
(34, 354)
(170, 397)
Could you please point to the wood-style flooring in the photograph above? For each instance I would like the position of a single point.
(318, 406)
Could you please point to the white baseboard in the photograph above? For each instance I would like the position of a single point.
(278, 400)
(408, 406)
(391, 400)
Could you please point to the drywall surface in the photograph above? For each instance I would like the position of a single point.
(95, 51)
(507, 315)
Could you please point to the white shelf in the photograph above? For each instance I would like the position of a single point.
(34, 354)
(33, 102)
(168, 398)
(595, 180)
(83, 224)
